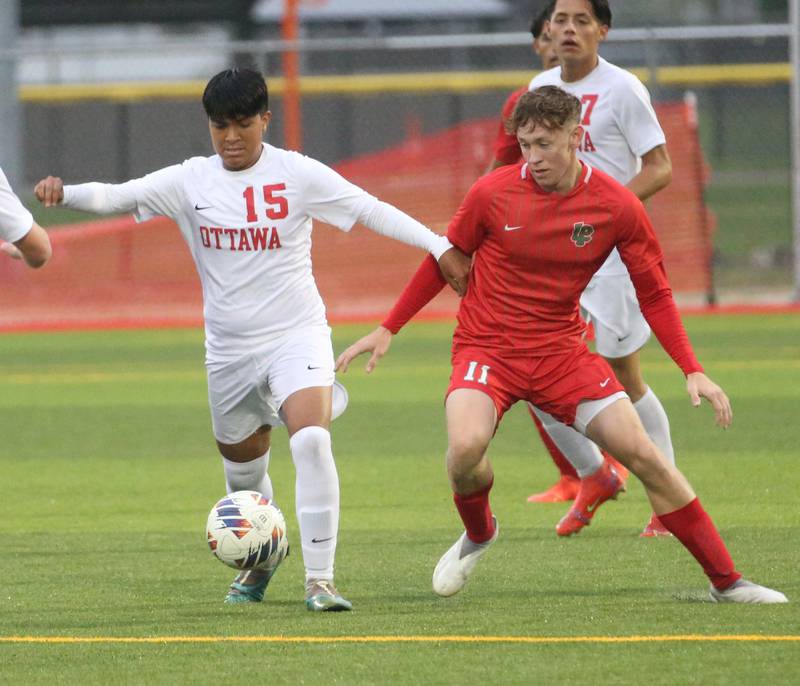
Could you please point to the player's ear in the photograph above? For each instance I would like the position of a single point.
(575, 137)
(265, 119)
(603, 32)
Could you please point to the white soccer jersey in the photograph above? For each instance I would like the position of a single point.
(619, 123)
(250, 235)
(15, 220)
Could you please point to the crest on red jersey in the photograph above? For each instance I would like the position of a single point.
(581, 234)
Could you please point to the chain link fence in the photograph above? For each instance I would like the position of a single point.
(366, 95)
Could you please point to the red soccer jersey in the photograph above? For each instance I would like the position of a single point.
(535, 252)
(506, 146)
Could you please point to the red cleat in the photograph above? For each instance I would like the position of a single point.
(655, 528)
(562, 491)
(619, 468)
(604, 484)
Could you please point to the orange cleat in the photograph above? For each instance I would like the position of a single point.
(562, 491)
(655, 528)
(604, 484)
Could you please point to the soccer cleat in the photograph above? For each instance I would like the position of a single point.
(654, 528)
(563, 490)
(249, 586)
(744, 591)
(604, 484)
(619, 468)
(322, 596)
(453, 570)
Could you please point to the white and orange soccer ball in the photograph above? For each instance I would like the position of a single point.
(245, 530)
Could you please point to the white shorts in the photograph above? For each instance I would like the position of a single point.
(609, 303)
(248, 392)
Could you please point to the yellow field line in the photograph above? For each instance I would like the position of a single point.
(413, 82)
(684, 638)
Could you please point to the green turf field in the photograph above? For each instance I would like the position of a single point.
(108, 471)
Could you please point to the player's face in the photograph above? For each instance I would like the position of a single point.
(550, 154)
(546, 49)
(238, 141)
(575, 31)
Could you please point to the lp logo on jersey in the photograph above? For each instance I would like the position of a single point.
(581, 233)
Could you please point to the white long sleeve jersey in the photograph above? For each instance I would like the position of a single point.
(15, 220)
(619, 125)
(249, 233)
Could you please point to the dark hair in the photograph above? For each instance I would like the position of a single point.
(537, 25)
(549, 106)
(236, 94)
(601, 10)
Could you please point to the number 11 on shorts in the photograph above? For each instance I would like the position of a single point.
(473, 367)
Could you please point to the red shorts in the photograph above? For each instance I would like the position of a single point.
(555, 383)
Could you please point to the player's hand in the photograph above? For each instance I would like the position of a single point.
(49, 191)
(377, 343)
(454, 266)
(11, 250)
(700, 386)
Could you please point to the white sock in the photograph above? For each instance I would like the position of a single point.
(655, 422)
(248, 476)
(580, 451)
(317, 499)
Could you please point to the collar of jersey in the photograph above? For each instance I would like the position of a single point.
(573, 84)
(260, 159)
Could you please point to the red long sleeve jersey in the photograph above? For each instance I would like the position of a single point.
(534, 253)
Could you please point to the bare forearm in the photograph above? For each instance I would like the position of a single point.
(656, 173)
(649, 181)
(35, 247)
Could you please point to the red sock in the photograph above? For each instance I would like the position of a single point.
(692, 526)
(557, 456)
(476, 514)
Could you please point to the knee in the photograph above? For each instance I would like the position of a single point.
(311, 442)
(467, 444)
(650, 466)
(464, 453)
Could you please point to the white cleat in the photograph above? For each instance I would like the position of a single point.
(744, 591)
(452, 570)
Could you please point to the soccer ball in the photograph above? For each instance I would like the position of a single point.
(246, 530)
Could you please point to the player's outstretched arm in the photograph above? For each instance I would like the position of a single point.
(101, 198)
(377, 343)
(699, 386)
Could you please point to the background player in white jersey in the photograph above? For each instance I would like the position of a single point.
(20, 236)
(623, 138)
(557, 438)
(245, 214)
(507, 148)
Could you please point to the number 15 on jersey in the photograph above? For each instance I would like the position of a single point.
(277, 207)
